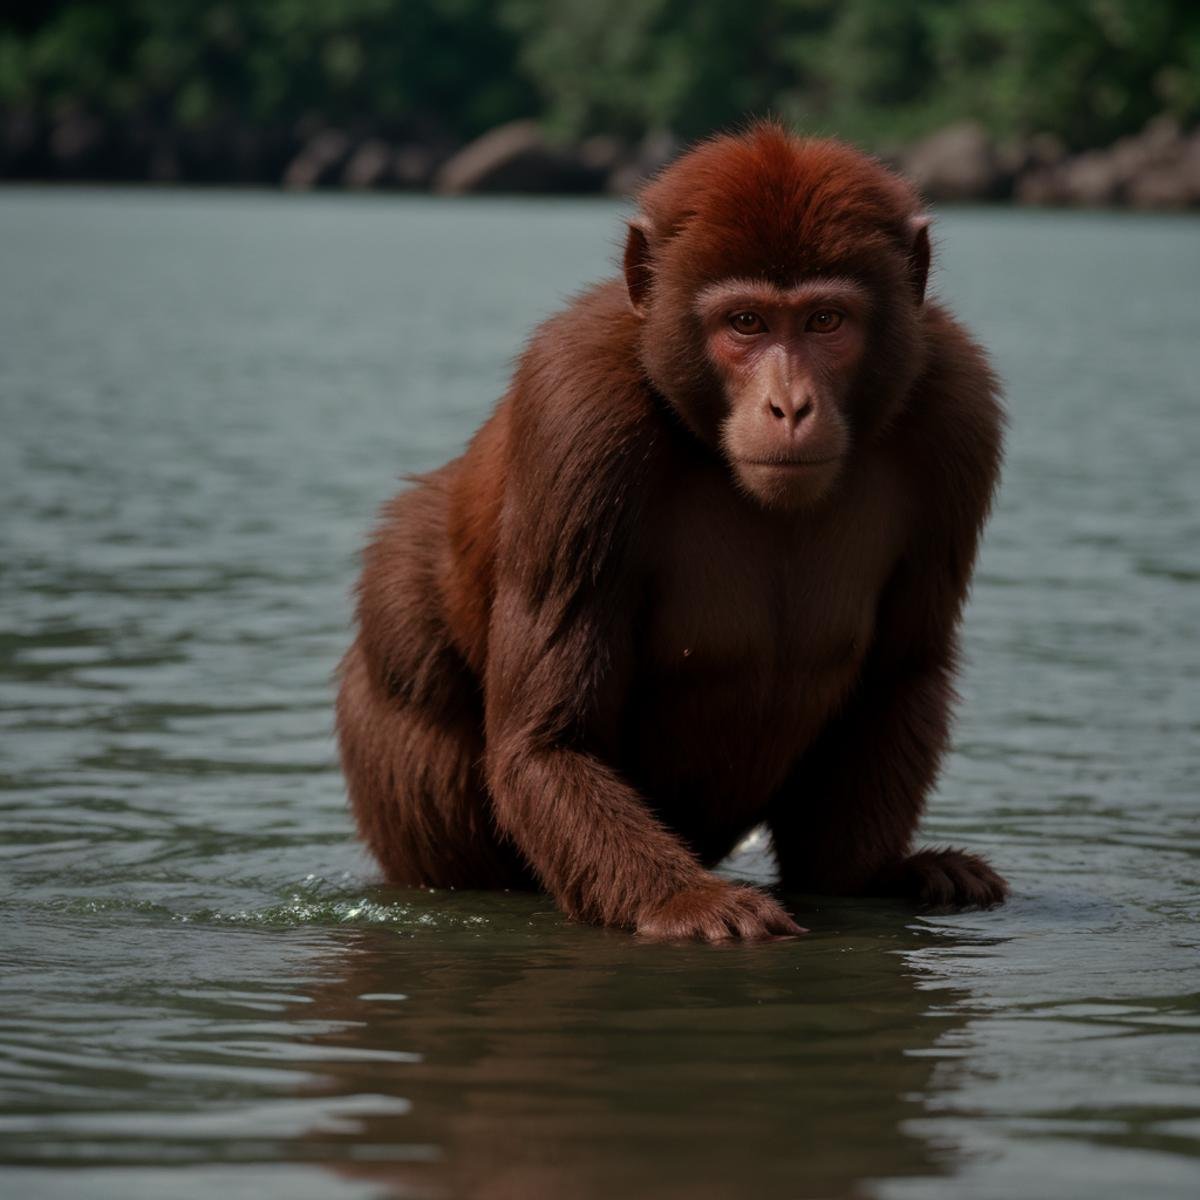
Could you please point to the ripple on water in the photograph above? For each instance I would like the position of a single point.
(205, 400)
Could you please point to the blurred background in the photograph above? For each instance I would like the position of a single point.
(242, 296)
(1074, 102)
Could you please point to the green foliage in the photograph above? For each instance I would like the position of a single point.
(1089, 70)
(372, 62)
(876, 70)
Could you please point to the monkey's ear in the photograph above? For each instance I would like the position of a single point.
(638, 271)
(918, 254)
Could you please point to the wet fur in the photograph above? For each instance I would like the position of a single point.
(586, 661)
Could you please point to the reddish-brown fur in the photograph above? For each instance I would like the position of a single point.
(606, 641)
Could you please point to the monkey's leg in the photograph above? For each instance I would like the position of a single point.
(413, 767)
(827, 851)
(942, 878)
(844, 824)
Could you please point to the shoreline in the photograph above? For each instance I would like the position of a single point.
(1157, 169)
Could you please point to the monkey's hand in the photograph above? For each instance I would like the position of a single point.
(717, 911)
(943, 879)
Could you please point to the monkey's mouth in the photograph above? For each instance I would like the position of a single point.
(789, 464)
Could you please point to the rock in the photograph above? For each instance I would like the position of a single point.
(1156, 168)
(956, 163)
(370, 166)
(318, 162)
(1018, 156)
(1091, 179)
(1191, 160)
(1170, 184)
(1158, 145)
(601, 152)
(1046, 150)
(514, 158)
(1161, 187)
(1162, 135)
(1036, 170)
(1039, 187)
(413, 166)
(1088, 180)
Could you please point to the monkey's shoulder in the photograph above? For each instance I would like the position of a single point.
(588, 351)
(582, 421)
(583, 441)
(950, 434)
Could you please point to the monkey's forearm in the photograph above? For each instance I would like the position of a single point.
(589, 837)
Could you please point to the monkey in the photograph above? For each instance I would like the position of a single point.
(701, 570)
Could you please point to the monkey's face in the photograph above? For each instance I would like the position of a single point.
(786, 361)
(779, 377)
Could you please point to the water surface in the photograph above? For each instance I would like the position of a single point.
(205, 396)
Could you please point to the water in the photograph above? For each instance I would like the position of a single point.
(204, 398)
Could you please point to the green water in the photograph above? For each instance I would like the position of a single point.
(203, 988)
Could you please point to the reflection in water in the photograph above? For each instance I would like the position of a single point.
(570, 1062)
(204, 397)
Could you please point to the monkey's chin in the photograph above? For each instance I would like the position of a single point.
(789, 486)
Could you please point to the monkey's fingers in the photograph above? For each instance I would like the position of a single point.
(716, 913)
(757, 916)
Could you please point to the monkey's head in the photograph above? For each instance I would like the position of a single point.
(779, 284)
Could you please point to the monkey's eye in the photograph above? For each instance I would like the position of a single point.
(825, 320)
(748, 322)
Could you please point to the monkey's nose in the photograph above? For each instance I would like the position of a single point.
(792, 414)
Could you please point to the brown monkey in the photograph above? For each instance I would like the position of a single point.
(702, 568)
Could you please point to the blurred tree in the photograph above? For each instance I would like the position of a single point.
(628, 65)
(380, 62)
(874, 70)
(1089, 70)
